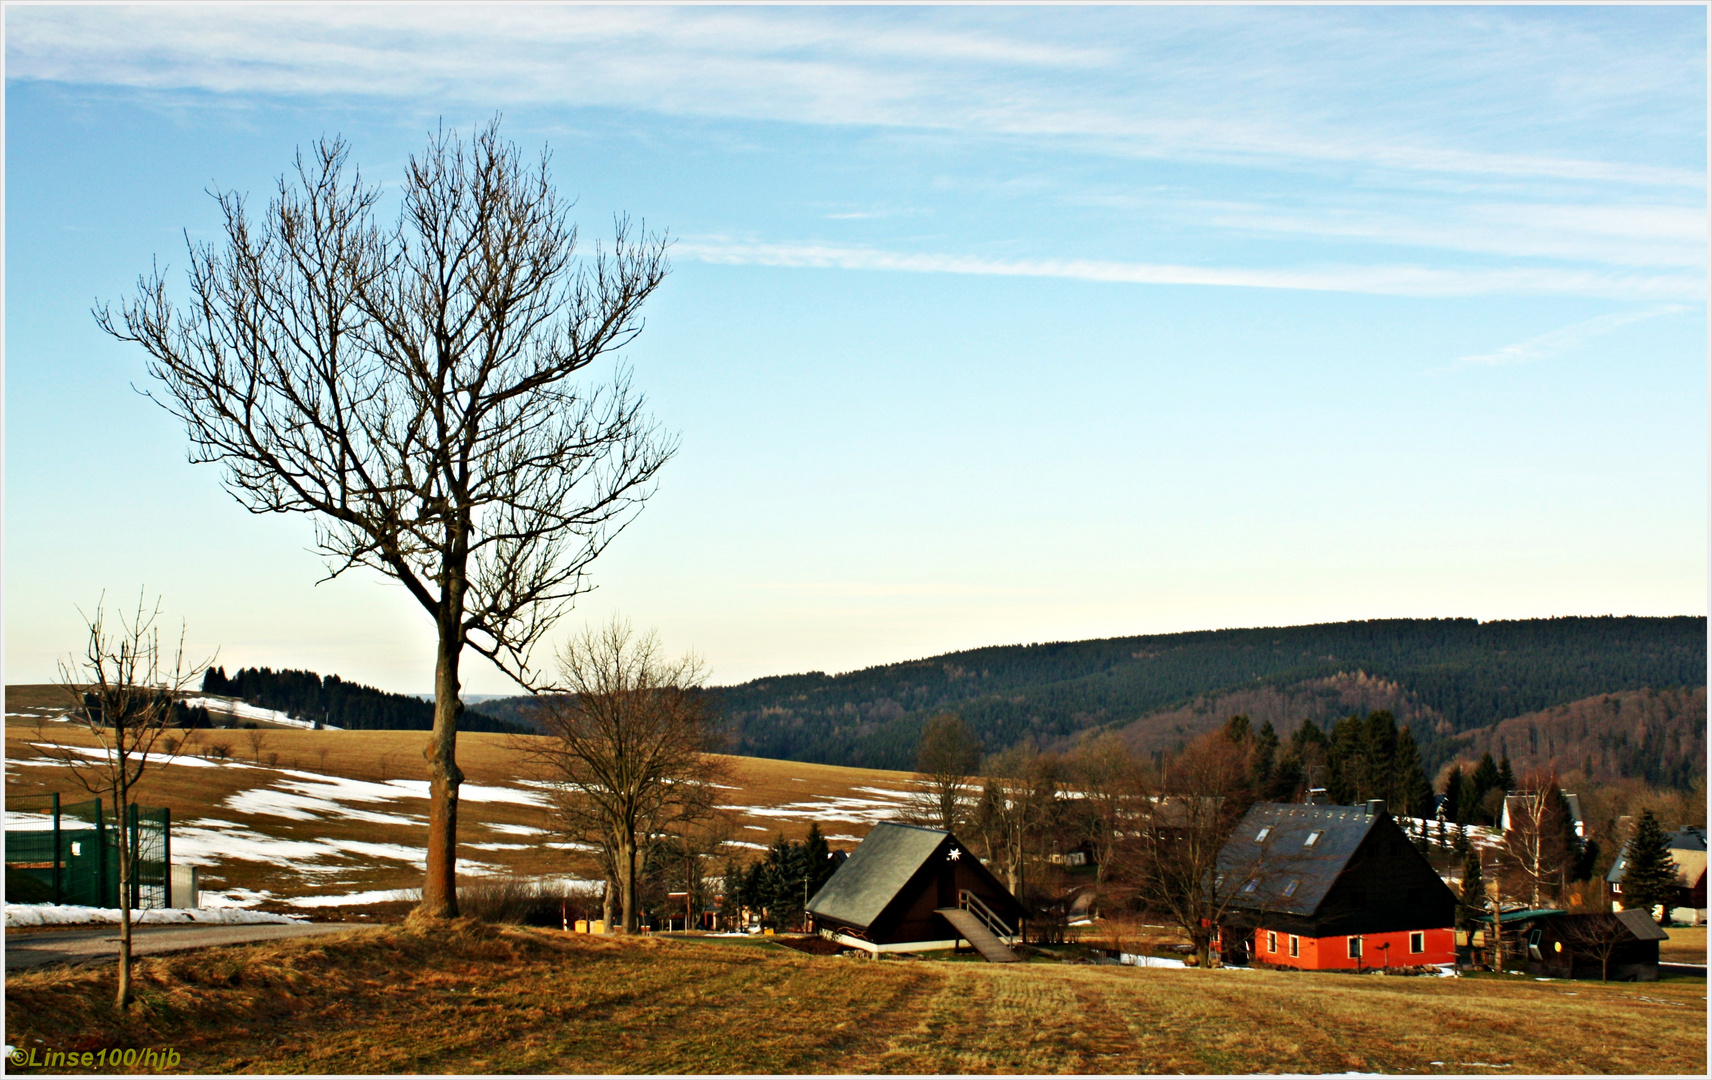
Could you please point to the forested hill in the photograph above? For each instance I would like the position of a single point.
(1462, 673)
(331, 700)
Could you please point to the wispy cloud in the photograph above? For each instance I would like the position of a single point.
(1379, 280)
(1551, 344)
(1163, 83)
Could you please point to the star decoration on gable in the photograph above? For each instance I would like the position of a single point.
(953, 854)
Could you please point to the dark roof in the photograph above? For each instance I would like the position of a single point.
(1688, 838)
(1640, 924)
(1283, 855)
(1531, 913)
(881, 865)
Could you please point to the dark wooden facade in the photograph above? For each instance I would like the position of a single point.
(1564, 946)
(888, 895)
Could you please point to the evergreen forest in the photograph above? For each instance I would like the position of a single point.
(330, 700)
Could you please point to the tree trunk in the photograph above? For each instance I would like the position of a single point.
(123, 998)
(606, 906)
(439, 890)
(627, 882)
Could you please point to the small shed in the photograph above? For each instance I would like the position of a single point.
(893, 892)
(1623, 947)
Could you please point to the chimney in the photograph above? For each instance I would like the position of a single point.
(1375, 807)
(1316, 796)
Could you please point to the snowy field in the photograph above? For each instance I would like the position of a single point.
(18, 915)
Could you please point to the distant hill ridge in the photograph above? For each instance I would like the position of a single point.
(1454, 676)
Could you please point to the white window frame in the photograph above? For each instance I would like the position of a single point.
(1355, 947)
(1417, 941)
(1295, 945)
(1272, 942)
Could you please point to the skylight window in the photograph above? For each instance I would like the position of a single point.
(1290, 889)
(1313, 838)
(1262, 834)
(1251, 883)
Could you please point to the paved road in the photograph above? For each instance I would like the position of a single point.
(76, 946)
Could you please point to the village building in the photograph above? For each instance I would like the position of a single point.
(909, 889)
(1621, 947)
(1331, 888)
(1688, 851)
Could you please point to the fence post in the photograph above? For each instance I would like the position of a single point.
(133, 891)
(58, 896)
(100, 856)
(166, 854)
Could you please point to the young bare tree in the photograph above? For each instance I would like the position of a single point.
(945, 761)
(121, 693)
(1105, 774)
(410, 387)
(627, 744)
(1182, 824)
(1019, 805)
(1538, 848)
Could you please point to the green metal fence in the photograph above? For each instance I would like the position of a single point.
(68, 853)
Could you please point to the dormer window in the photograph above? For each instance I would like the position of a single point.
(1313, 838)
(1262, 834)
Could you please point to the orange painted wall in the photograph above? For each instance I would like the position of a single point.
(1325, 954)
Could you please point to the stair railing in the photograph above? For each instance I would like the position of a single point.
(973, 904)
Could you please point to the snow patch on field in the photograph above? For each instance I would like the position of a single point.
(234, 898)
(474, 793)
(245, 711)
(373, 896)
(72, 915)
(515, 830)
(834, 808)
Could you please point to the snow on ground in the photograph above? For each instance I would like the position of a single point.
(233, 898)
(97, 753)
(373, 896)
(887, 792)
(205, 842)
(833, 808)
(515, 830)
(745, 844)
(72, 915)
(474, 793)
(245, 711)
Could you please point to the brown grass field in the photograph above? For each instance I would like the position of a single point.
(771, 797)
(470, 998)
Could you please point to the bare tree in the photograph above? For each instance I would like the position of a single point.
(1182, 825)
(1537, 851)
(1018, 806)
(1105, 775)
(410, 387)
(945, 760)
(257, 739)
(1597, 936)
(121, 693)
(627, 745)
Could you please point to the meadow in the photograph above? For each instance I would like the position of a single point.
(471, 998)
(334, 822)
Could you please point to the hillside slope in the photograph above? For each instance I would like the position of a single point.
(1654, 735)
(1455, 675)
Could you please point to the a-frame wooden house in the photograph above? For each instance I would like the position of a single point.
(906, 889)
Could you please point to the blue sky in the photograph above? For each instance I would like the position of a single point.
(986, 325)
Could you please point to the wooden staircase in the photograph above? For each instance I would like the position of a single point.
(976, 924)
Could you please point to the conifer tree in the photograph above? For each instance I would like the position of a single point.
(1472, 908)
(1506, 776)
(1453, 795)
(1650, 879)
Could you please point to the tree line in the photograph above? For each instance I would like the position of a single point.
(330, 700)
(1470, 673)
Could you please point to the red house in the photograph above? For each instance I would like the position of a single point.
(1331, 887)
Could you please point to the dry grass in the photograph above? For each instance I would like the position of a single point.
(478, 999)
(486, 758)
(1687, 945)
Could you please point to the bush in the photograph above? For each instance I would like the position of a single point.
(523, 901)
